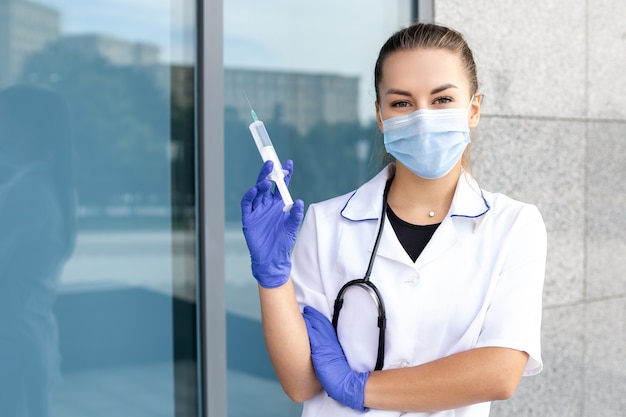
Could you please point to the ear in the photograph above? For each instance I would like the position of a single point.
(379, 118)
(474, 116)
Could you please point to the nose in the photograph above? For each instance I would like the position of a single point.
(422, 104)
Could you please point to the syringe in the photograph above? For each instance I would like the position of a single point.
(266, 149)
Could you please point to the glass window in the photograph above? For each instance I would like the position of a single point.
(308, 74)
(97, 208)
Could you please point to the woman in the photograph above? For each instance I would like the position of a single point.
(460, 270)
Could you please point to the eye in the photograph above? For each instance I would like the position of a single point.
(443, 100)
(400, 104)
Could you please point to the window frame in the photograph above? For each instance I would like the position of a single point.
(210, 208)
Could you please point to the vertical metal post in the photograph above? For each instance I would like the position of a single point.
(210, 180)
(425, 10)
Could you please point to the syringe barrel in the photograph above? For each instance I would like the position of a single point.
(264, 143)
(259, 133)
(284, 192)
(268, 153)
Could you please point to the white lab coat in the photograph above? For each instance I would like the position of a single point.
(477, 283)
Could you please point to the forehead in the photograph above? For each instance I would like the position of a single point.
(423, 68)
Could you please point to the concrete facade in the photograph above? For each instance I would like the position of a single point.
(553, 133)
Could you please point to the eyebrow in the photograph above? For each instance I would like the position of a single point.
(442, 88)
(436, 90)
(398, 92)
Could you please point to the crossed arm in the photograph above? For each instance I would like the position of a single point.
(473, 376)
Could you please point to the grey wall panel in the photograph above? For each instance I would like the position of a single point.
(606, 199)
(606, 59)
(533, 161)
(530, 57)
(554, 133)
(559, 391)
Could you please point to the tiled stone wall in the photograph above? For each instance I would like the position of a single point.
(553, 133)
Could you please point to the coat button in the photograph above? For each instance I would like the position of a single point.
(413, 281)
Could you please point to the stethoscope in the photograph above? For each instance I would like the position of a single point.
(368, 286)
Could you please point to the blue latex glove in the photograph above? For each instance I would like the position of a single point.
(270, 232)
(331, 366)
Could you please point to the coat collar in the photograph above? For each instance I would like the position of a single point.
(366, 202)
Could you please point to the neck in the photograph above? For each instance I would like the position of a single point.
(420, 201)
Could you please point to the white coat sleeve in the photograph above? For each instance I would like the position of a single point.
(513, 318)
(306, 269)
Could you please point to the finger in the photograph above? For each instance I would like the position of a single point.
(296, 214)
(246, 202)
(287, 171)
(312, 333)
(322, 326)
(288, 166)
(268, 196)
(266, 170)
(316, 318)
(307, 324)
(263, 193)
(313, 312)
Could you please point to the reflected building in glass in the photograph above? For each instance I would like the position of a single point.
(116, 51)
(25, 27)
(300, 100)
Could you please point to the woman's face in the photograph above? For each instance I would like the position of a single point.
(419, 79)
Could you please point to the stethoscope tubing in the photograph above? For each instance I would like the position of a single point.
(367, 285)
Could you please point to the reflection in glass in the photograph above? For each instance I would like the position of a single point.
(97, 277)
(37, 220)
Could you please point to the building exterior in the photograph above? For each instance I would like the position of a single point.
(115, 50)
(300, 100)
(25, 27)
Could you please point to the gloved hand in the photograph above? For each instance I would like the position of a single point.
(331, 366)
(270, 233)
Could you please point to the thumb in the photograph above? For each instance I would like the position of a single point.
(295, 217)
(288, 166)
(313, 334)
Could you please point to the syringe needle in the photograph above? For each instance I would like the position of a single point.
(252, 113)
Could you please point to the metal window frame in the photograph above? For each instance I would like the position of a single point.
(424, 10)
(210, 208)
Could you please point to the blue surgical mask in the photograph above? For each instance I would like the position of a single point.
(428, 142)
